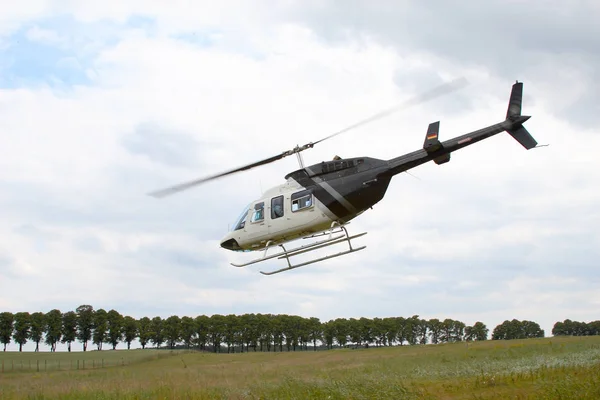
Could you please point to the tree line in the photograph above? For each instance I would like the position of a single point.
(576, 328)
(259, 332)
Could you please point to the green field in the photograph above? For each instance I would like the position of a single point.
(547, 368)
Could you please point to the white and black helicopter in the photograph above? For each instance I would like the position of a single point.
(321, 199)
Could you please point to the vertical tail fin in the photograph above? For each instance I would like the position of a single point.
(513, 114)
(516, 99)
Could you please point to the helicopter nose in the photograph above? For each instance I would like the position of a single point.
(230, 244)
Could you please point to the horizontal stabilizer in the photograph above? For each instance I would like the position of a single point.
(522, 136)
(432, 143)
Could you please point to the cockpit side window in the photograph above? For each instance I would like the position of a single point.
(259, 212)
(277, 207)
(301, 200)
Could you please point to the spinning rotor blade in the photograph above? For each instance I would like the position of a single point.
(438, 91)
(422, 98)
(187, 185)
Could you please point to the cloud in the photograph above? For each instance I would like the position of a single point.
(544, 44)
(169, 148)
(101, 105)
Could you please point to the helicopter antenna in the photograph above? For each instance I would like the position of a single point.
(414, 176)
(422, 98)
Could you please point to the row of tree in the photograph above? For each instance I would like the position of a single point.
(576, 328)
(263, 332)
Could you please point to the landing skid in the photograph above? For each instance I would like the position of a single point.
(287, 254)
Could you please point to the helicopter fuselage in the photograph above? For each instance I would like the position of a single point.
(310, 200)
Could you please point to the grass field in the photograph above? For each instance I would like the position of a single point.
(26, 362)
(548, 368)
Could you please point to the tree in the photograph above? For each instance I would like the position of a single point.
(115, 328)
(22, 328)
(202, 323)
(532, 329)
(69, 328)
(85, 324)
(53, 328)
(157, 336)
(316, 331)
(130, 330)
(435, 330)
(516, 329)
(575, 328)
(390, 327)
(276, 326)
(594, 327)
(144, 331)
(6, 327)
(230, 330)
(256, 328)
(342, 331)
(216, 331)
(188, 331)
(100, 323)
(422, 330)
(559, 329)
(378, 331)
(354, 335)
(399, 328)
(172, 330)
(476, 332)
(458, 331)
(38, 327)
(410, 329)
(328, 334)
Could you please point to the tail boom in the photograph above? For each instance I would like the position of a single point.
(439, 152)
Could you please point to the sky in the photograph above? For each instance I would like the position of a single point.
(102, 103)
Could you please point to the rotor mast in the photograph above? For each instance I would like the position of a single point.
(297, 150)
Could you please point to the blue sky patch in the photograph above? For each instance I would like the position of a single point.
(57, 52)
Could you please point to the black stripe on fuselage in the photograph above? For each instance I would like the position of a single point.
(328, 200)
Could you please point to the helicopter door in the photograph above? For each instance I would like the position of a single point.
(257, 226)
(277, 222)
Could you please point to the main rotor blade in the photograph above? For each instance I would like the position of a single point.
(436, 92)
(422, 98)
(187, 185)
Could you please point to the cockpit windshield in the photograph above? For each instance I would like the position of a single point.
(240, 222)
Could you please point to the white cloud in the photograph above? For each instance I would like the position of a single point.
(452, 243)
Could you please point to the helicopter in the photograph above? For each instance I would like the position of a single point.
(320, 200)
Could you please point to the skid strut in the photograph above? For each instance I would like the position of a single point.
(287, 254)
